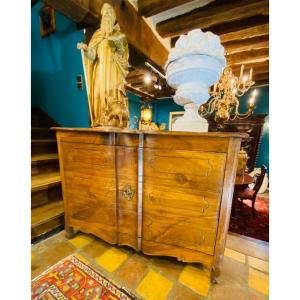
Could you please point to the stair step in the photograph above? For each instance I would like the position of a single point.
(43, 146)
(46, 218)
(41, 119)
(42, 197)
(43, 141)
(40, 129)
(44, 163)
(46, 212)
(43, 181)
(42, 132)
(43, 157)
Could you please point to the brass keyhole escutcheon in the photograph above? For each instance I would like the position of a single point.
(128, 192)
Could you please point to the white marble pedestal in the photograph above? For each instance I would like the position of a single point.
(191, 121)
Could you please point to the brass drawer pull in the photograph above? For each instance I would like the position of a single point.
(128, 192)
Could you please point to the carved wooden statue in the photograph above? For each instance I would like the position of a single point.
(106, 65)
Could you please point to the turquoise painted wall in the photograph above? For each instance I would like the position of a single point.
(55, 63)
(262, 107)
(134, 109)
(165, 106)
(162, 109)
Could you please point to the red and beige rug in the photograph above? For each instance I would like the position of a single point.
(72, 279)
(244, 223)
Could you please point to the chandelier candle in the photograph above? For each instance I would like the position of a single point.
(224, 103)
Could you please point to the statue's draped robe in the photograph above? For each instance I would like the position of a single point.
(106, 64)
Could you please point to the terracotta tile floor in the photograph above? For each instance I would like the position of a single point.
(157, 278)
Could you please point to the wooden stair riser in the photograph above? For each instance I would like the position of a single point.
(41, 120)
(37, 149)
(48, 186)
(42, 133)
(38, 122)
(45, 196)
(44, 167)
(47, 226)
(47, 212)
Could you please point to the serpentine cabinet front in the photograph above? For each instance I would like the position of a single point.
(161, 193)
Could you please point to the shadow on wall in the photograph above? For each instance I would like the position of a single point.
(59, 102)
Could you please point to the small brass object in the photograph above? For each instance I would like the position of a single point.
(128, 192)
(242, 162)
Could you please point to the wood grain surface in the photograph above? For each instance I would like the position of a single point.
(165, 194)
(90, 181)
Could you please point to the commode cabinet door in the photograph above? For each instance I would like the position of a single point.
(181, 199)
(90, 188)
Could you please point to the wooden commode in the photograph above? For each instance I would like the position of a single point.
(163, 193)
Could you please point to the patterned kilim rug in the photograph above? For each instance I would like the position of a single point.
(72, 279)
(244, 223)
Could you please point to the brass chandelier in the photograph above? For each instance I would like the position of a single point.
(224, 103)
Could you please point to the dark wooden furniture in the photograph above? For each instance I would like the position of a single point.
(243, 180)
(164, 193)
(252, 125)
(247, 193)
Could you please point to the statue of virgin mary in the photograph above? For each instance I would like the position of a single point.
(106, 67)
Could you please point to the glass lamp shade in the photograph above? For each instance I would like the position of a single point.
(146, 114)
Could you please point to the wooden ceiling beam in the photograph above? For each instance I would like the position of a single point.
(258, 42)
(135, 80)
(261, 76)
(250, 60)
(235, 26)
(261, 82)
(253, 65)
(258, 71)
(166, 90)
(139, 92)
(135, 74)
(77, 11)
(131, 68)
(163, 94)
(138, 70)
(248, 33)
(218, 12)
(150, 8)
(247, 57)
(139, 34)
(134, 77)
(139, 83)
(257, 68)
(132, 80)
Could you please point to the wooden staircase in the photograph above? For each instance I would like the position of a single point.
(47, 213)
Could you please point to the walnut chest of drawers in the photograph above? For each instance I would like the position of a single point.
(162, 193)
